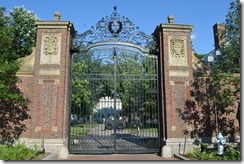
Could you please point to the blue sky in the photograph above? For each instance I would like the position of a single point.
(146, 14)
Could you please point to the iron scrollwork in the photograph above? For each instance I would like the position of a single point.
(114, 29)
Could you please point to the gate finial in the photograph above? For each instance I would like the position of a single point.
(57, 16)
(170, 19)
(115, 8)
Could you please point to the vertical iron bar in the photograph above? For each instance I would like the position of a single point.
(70, 103)
(158, 99)
(115, 95)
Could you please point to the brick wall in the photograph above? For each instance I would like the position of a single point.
(175, 61)
(47, 85)
(176, 77)
(25, 84)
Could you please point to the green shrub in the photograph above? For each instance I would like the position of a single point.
(231, 152)
(17, 152)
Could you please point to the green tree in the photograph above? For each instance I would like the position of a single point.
(13, 105)
(22, 22)
(229, 60)
(225, 72)
(217, 96)
(200, 56)
(81, 93)
(137, 85)
(8, 63)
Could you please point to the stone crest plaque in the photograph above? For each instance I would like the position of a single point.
(50, 48)
(177, 51)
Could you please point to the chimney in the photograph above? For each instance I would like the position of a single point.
(219, 37)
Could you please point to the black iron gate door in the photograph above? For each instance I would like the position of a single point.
(114, 99)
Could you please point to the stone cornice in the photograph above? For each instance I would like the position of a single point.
(55, 25)
(176, 27)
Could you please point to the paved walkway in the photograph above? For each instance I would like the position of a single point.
(118, 157)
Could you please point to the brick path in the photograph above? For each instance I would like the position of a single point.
(118, 157)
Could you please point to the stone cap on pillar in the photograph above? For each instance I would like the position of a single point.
(53, 24)
(171, 26)
(176, 27)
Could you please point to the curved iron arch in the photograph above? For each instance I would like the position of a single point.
(115, 30)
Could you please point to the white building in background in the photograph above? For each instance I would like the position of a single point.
(105, 108)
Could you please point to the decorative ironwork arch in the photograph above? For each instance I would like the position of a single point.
(116, 31)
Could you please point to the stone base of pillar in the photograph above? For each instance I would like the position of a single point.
(177, 146)
(166, 152)
(63, 152)
(56, 146)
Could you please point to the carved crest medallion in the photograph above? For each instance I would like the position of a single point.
(177, 47)
(51, 45)
(50, 48)
(177, 51)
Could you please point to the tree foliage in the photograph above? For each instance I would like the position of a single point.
(16, 40)
(229, 60)
(225, 72)
(217, 96)
(23, 23)
(81, 93)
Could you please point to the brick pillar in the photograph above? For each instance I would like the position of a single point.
(175, 72)
(51, 84)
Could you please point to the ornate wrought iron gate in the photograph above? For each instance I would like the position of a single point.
(114, 91)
